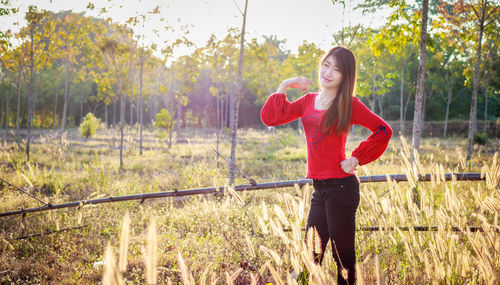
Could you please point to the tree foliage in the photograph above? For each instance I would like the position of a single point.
(88, 62)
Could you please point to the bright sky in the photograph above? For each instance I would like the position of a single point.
(294, 20)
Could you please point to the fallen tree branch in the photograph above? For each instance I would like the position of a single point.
(246, 187)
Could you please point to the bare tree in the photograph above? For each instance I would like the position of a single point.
(140, 107)
(236, 100)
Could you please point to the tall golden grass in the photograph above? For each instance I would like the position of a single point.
(184, 243)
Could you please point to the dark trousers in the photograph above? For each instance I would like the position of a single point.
(333, 214)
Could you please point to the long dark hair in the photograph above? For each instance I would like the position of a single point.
(338, 115)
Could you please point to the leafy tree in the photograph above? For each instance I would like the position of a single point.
(397, 38)
(118, 49)
(466, 17)
(7, 73)
(376, 69)
(75, 46)
(262, 68)
(184, 72)
(165, 123)
(37, 34)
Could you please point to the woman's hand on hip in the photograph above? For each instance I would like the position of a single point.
(349, 165)
(297, 82)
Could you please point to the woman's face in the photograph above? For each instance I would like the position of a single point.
(330, 76)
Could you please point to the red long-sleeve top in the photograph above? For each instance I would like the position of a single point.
(326, 151)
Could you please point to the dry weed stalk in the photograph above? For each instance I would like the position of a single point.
(124, 241)
(150, 253)
(204, 275)
(378, 271)
(112, 275)
(187, 278)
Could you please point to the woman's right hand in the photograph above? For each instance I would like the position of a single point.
(297, 82)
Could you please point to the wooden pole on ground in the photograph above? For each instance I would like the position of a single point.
(246, 187)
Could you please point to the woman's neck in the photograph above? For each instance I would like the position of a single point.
(329, 93)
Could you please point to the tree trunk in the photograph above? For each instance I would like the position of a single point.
(232, 97)
(18, 135)
(153, 107)
(140, 108)
(372, 95)
(472, 115)
(122, 121)
(221, 111)
(178, 120)
(183, 115)
(2, 117)
(380, 105)
(55, 113)
(232, 105)
(71, 116)
(35, 98)
(447, 109)
(114, 113)
(131, 119)
(401, 99)
(7, 99)
(122, 103)
(67, 96)
(150, 103)
(170, 137)
(226, 109)
(106, 114)
(234, 126)
(30, 96)
(218, 123)
(81, 110)
(420, 82)
(486, 87)
(205, 110)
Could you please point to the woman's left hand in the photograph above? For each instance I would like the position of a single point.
(349, 165)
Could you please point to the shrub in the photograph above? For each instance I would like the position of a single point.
(480, 138)
(164, 122)
(89, 125)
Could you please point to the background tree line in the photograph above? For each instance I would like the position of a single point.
(68, 64)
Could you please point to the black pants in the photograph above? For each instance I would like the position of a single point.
(333, 214)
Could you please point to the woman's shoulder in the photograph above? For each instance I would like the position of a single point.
(358, 107)
(310, 95)
(357, 103)
(307, 98)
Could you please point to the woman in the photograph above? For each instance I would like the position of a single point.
(326, 118)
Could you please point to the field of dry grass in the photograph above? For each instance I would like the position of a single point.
(239, 237)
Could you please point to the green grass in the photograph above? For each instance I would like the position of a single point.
(217, 236)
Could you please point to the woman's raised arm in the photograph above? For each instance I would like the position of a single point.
(278, 110)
